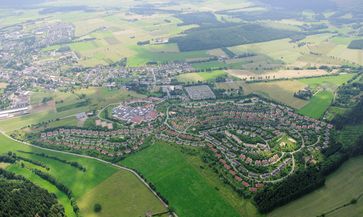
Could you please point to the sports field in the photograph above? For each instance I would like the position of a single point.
(340, 188)
(99, 177)
(192, 189)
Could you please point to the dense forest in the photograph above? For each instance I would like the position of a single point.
(19, 197)
(353, 117)
(227, 35)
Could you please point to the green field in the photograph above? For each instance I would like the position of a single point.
(192, 189)
(340, 188)
(318, 104)
(209, 65)
(95, 179)
(201, 76)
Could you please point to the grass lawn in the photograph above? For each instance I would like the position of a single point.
(81, 183)
(201, 76)
(318, 104)
(340, 188)
(191, 188)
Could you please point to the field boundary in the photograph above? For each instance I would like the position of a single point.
(94, 158)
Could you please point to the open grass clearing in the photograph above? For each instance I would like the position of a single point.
(190, 189)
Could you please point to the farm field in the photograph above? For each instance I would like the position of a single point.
(318, 104)
(196, 195)
(280, 74)
(340, 188)
(201, 76)
(81, 183)
(117, 186)
(282, 91)
(327, 82)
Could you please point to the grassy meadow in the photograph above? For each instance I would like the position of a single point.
(201, 76)
(192, 189)
(99, 177)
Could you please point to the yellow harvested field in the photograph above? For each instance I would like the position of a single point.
(282, 91)
(3, 165)
(217, 52)
(281, 74)
(3, 85)
(343, 53)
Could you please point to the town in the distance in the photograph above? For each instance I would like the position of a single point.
(169, 108)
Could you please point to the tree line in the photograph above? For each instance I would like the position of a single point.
(60, 187)
(71, 163)
(20, 197)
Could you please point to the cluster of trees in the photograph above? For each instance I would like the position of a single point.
(10, 158)
(19, 197)
(347, 94)
(60, 187)
(37, 163)
(305, 94)
(354, 116)
(296, 185)
(72, 163)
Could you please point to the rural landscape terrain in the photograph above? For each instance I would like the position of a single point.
(181, 108)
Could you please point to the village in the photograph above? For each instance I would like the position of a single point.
(252, 142)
